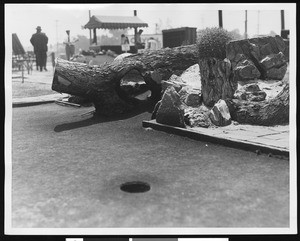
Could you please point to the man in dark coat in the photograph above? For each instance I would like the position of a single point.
(39, 41)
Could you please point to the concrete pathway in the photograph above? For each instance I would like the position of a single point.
(273, 140)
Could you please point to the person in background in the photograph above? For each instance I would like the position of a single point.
(152, 44)
(123, 39)
(39, 42)
(125, 43)
(138, 40)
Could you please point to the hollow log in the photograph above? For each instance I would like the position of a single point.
(266, 113)
(101, 84)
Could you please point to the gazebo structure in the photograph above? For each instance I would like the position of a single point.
(114, 22)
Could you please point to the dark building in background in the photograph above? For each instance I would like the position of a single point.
(179, 36)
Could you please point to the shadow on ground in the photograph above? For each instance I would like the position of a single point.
(141, 107)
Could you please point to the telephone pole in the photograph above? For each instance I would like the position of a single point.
(90, 29)
(220, 19)
(56, 25)
(282, 20)
(246, 20)
(258, 22)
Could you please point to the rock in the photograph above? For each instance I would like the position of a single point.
(251, 87)
(265, 49)
(175, 78)
(197, 117)
(277, 73)
(245, 69)
(256, 50)
(154, 112)
(243, 47)
(190, 96)
(275, 66)
(257, 96)
(269, 45)
(174, 81)
(170, 111)
(219, 114)
(191, 76)
(273, 61)
(250, 92)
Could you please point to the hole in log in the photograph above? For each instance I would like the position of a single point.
(135, 187)
(131, 85)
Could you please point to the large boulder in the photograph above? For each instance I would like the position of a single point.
(197, 117)
(245, 69)
(191, 77)
(275, 66)
(277, 73)
(190, 96)
(256, 50)
(219, 114)
(170, 111)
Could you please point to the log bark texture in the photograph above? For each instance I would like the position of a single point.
(265, 113)
(101, 84)
(216, 80)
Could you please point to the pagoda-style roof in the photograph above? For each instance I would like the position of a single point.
(115, 22)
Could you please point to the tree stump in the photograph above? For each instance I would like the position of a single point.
(216, 80)
(101, 84)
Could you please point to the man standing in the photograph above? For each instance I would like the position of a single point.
(39, 41)
(138, 40)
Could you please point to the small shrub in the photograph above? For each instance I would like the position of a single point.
(212, 42)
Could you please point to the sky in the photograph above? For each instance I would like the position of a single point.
(55, 19)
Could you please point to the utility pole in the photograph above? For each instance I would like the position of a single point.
(56, 37)
(282, 20)
(90, 29)
(220, 19)
(135, 29)
(246, 34)
(258, 22)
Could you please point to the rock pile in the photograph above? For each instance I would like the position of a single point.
(258, 58)
(181, 103)
(188, 101)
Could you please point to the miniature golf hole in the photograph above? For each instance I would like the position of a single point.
(135, 187)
